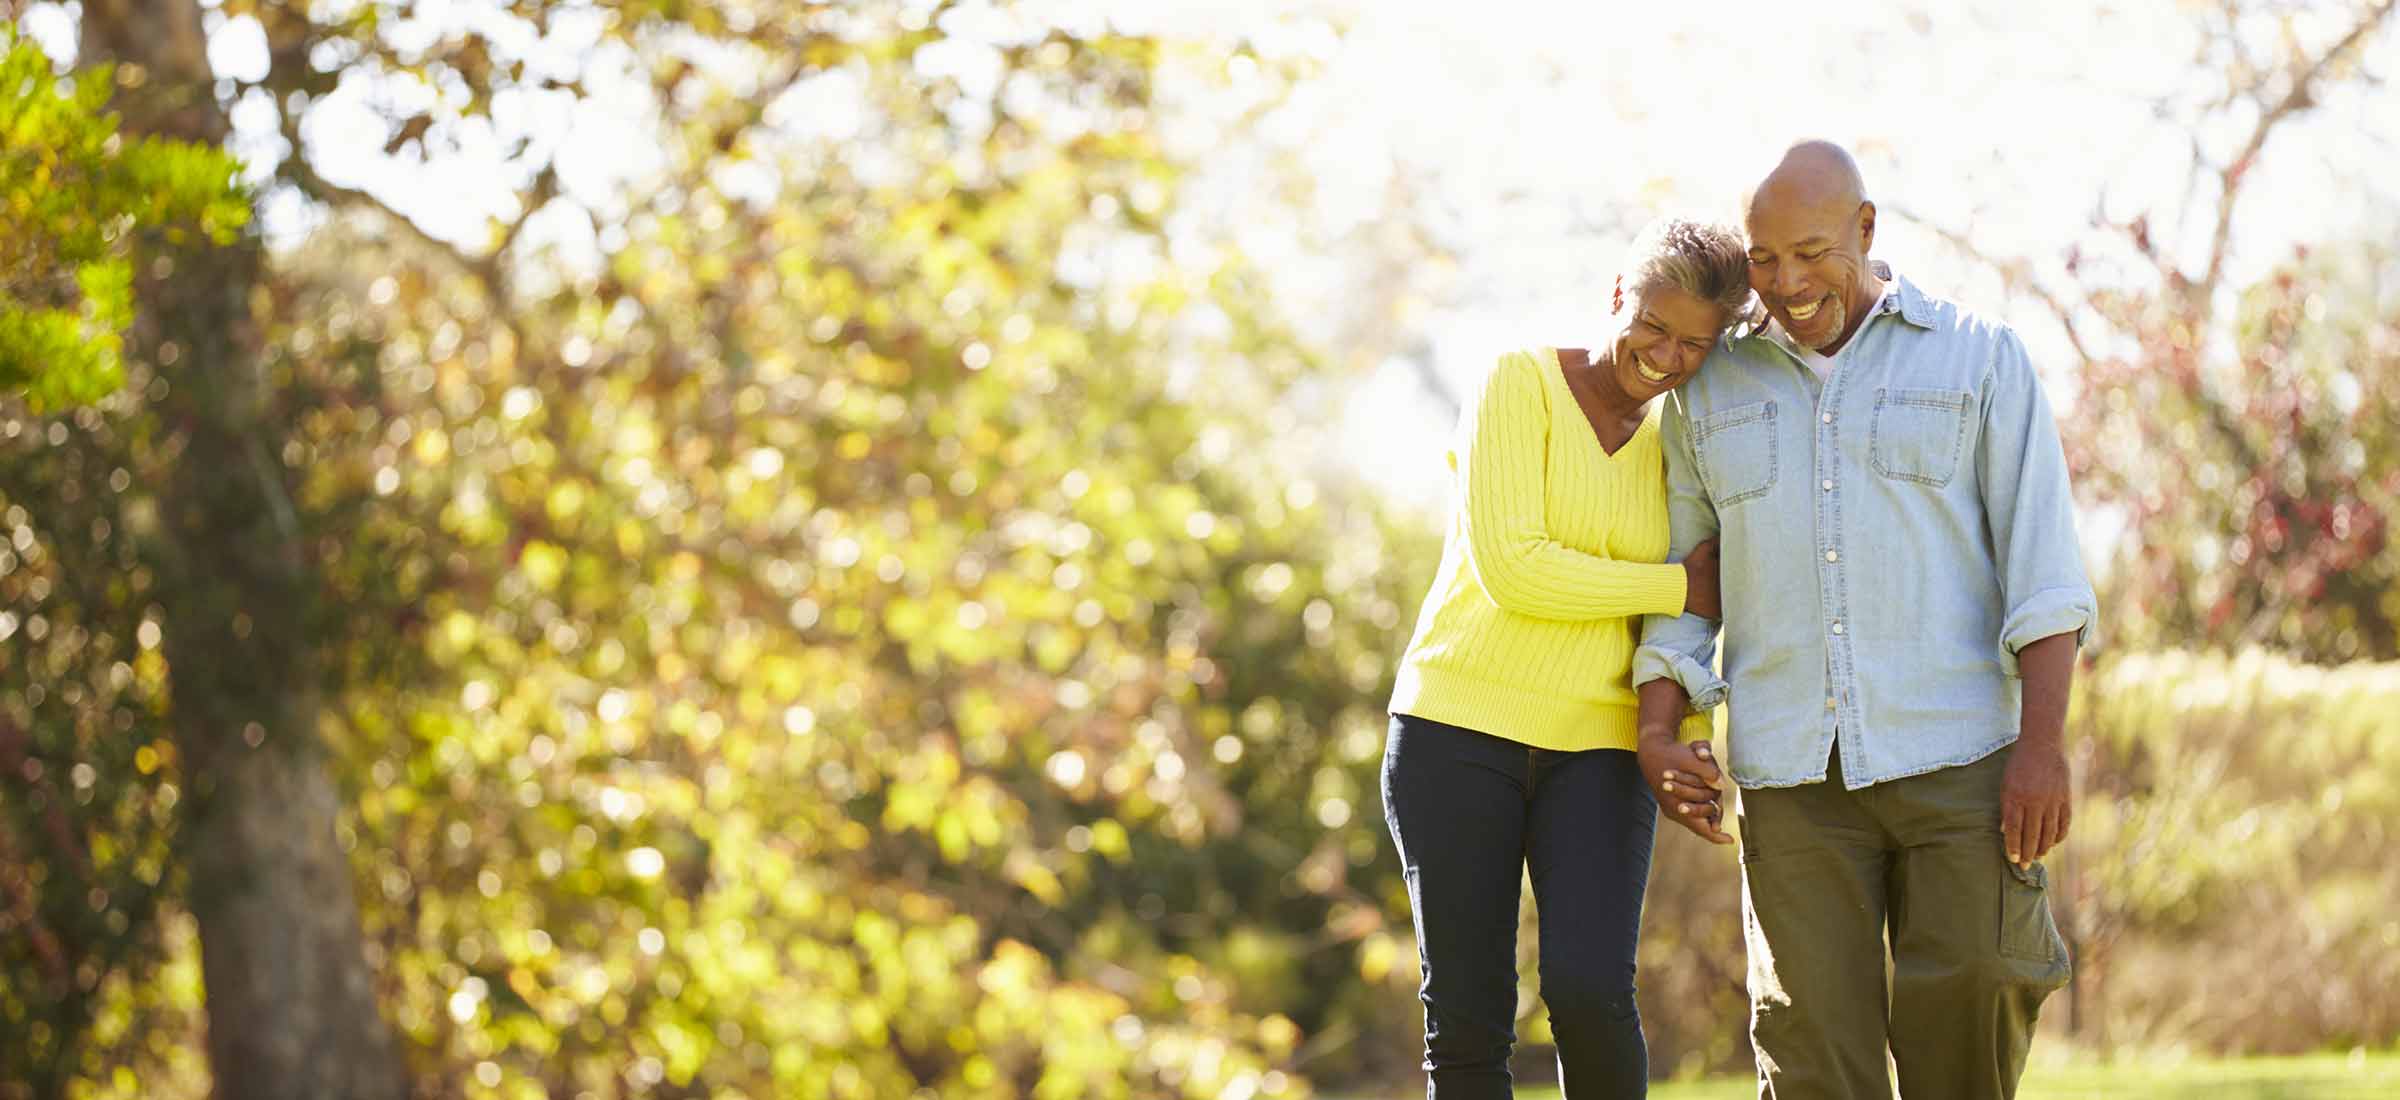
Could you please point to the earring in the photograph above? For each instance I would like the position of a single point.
(1616, 297)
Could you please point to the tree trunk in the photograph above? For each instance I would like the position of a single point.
(291, 1001)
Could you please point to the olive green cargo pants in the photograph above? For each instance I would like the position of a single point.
(1827, 873)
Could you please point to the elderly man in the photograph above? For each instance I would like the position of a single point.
(1903, 600)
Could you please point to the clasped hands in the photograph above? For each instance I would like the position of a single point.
(1684, 778)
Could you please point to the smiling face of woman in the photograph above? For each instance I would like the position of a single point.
(1668, 331)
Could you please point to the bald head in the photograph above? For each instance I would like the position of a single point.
(1810, 226)
(1811, 172)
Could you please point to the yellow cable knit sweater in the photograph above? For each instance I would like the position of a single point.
(1554, 553)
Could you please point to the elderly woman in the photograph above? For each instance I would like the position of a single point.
(1513, 721)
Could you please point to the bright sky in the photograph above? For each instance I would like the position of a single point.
(1527, 139)
(1547, 130)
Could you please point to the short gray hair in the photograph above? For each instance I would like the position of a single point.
(1707, 260)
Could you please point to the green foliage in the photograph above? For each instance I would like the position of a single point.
(1692, 979)
(854, 694)
(2356, 1074)
(88, 802)
(74, 197)
(2233, 821)
(87, 805)
(870, 637)
(2230, 835)
(846, 646)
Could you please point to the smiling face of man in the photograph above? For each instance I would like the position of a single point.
(1810, 228)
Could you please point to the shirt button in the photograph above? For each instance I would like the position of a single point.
(1837, 628)
(1827, 417)
(1828, 484)
(1833, 555)
(1829, 705)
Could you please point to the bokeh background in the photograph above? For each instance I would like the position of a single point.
(705, 548)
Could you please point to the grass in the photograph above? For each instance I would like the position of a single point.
(2310, 1076)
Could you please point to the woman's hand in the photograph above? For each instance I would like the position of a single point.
(1700, 595)
(1683, 778)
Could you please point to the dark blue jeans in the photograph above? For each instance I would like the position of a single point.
(1470, 812)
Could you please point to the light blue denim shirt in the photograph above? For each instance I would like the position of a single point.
(1889, 537)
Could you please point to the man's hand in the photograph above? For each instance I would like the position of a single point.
(2036, 793)
(2035, 801)
(1683, 778)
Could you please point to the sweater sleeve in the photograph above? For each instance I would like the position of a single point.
(1500, 456)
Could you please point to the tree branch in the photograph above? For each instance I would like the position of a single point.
(297, 171)
(2015, 273)
(2298, 98)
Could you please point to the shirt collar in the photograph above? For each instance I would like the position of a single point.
(1903, 297)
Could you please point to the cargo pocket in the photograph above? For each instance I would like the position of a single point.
(2027, 931)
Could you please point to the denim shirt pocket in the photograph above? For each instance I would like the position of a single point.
(1917, 434)
(1735, 449)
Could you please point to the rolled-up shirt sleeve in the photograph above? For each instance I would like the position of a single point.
(1682, 647)
(2030, 510)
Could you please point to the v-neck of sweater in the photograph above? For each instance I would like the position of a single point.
(1557, 375)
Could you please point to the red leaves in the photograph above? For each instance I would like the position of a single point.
(2249, 482)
